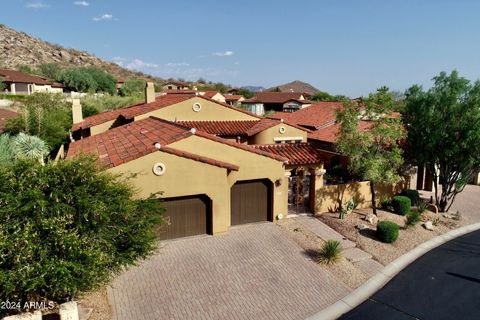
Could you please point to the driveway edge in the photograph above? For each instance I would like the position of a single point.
(379, 280)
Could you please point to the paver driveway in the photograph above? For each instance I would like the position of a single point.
(252, 272)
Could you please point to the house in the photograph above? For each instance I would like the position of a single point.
(217, 165)
(275, 101)
(22, 83)
(175, 85)
(211, 94)
(234, 99)
(6, 115)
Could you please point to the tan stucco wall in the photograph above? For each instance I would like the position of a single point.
(330, 198)
(252, 166)
(267, 136)
(101, 127)
(183, 177)
(209, 111)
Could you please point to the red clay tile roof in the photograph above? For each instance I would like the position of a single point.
(276, 97)
(316, 116)
(221, 128)
(232, 97)
(142, 108)
(131, 111)
(296, 153)
(266, 123)
(171, 91)
(177, 83)
(330, 133)
(200, 158)
(136, 139)
(20, 77)
(208, 93)
(5, 115)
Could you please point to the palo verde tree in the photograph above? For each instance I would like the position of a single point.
(444, 132)
(369, 135)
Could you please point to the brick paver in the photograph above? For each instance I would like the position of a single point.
(251, 272)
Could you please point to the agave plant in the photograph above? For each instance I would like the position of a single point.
(6, 152)
(29, 147)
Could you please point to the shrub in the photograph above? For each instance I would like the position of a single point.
(132, 86)
(422, 206)
(330, 252)
(412, 218)
(88, 80)
(413, 195)
(401, 205)
(44, 115)
(66, 227)
(387, 231)
(386, 204)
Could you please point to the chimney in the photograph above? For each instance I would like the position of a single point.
(149, 92)
(76, 111)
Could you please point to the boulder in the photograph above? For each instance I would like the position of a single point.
(371, 218)
(428, 225)
(433, 208)
(361, 227)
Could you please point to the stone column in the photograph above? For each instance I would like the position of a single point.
(318, 174)
(12, 88)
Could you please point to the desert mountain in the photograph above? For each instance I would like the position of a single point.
(19, 48)
(296, 86)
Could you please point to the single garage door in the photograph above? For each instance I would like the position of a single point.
(250, 201)
(186, 216)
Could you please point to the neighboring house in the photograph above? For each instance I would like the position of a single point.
(234, 99)
(211, 94)
(119, 84)
(175, 85)
(21, 83)
(185, 145)
(275, 101)
(6, 115)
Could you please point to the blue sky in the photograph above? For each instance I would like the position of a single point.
(342, 47)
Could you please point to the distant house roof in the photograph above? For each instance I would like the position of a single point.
(266, 123)
(314, 116)
(13, 76)
(222, 128)
(330, 133)
(173, 91)
(232, 97)
(296, 153)
(5, 115)
(134, 140)
(177, 83)
(274, 97)
(208, 93)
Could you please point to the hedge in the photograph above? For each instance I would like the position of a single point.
(387, 231)
(401, 205)
(413, 195)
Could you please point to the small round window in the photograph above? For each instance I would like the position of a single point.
(282, 130)
(197, 107)
(159, 169)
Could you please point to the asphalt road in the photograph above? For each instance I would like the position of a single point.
(442, 284)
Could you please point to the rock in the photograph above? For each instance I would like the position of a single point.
(361, 227)
(433, 208)
(65, 55)
(428, 225)
(371, 218)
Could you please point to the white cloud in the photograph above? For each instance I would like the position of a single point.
(81, 3)
(236, 63)
(103, 17)
(177, 64)
(224, 54)
(37, 5)
(140, 64)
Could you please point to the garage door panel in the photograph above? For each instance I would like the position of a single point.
(250, 202)
(186, 217)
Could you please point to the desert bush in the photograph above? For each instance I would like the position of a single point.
(66, 227)
(330, 252)
(47, 116)
(413, 195)
(386, 204)
(401, 205)
(387, 231)
(422, 206)
(83, 79)
(412, 218)
(93, 104)
(132, 86)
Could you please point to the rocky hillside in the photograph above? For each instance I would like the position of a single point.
(20, 48)
(296, 86)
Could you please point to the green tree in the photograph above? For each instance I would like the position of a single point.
(67, 227)
(3, 86)
(24, 68)
(88, 80)
(44, 115)
(322, 96)
(50, 70)
(444, 132)
(132, 86)
(372, 148)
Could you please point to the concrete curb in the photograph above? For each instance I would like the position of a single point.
(379, 280)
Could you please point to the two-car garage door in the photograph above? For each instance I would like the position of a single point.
(251, 201)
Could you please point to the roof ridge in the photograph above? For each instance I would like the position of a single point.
(197, 157)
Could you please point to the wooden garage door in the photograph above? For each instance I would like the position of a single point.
(250, 201)
(186, 216)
